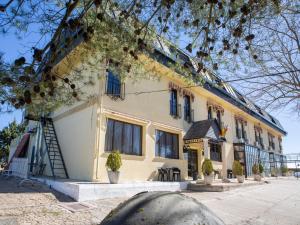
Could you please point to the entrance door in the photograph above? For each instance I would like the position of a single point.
(192, 162)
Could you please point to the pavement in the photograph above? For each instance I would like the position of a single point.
(275, 203)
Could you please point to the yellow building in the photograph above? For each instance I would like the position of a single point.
(158, 122)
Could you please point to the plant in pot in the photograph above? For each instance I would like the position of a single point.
(256, 173)
(274, 172)
(238, 171)
(261, 170)
(207, 169)
(284, 171)
(113, 164)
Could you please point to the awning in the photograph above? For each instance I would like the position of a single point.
(21, 148)
(202, 129)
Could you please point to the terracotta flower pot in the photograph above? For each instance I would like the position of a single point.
(113, 176)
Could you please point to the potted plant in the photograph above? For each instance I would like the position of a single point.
(284, 171)
(274, 172)
(113, 164)
(207, 169)
(261, 170)
(256, 172)
(238, 171)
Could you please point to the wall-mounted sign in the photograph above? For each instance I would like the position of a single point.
(193, 141)
(181, 91)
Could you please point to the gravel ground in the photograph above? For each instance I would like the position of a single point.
(274, 203)
(37, 204)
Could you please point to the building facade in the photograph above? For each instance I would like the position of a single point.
(160, 121)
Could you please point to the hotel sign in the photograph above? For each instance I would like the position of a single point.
(192, 141)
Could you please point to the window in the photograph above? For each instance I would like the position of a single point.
(244, 134)
(215, 151)
(258, 136)
(187, 109)
(210, 116)
(166, 145)
(271, 141)
(173, 104)
(219, 118)
(240, 129)
(113, 85)
(237, 129)
(124, 137)
(280, 143)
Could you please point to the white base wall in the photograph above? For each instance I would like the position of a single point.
(84, 191)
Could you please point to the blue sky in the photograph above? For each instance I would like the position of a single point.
(13, 47)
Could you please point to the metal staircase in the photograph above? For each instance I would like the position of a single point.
(57, 163)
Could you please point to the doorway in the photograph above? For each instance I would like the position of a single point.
(192, 162)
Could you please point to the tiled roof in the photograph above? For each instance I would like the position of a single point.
(203, 129)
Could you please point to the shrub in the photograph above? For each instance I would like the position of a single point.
(114, 161)
(261, 168)
(237, 169)
(284, 169)
(207, 167)
(274, 172)
(255, 169)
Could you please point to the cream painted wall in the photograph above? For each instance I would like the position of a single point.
(76, 134)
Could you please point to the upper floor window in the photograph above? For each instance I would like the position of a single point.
(209, 113)
(271, 141)
(123, 137)
(240, 129)
(219, 118)
(174, 106)
(280, 143)
(167, 145)
(258, 136)
(215, 151)
(187, 109)
(114, 87)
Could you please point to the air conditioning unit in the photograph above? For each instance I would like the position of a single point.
(256, 143)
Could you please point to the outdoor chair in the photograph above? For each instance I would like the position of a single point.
(229, 174)
(176, 174)
(162, 173)
(216, 173)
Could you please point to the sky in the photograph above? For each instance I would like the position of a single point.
(13, 47)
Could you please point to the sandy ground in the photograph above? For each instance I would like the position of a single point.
(274, 203)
